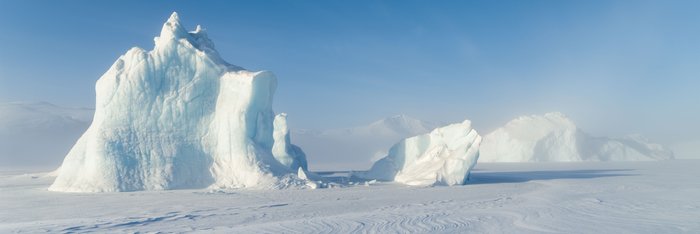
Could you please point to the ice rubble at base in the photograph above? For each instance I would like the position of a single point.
(445, 156)
(554, 137)
(179, 116)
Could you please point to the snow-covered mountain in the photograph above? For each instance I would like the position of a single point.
(357, 147)
(398, 125)
(36, 135)
(179, 116)
(554, 137)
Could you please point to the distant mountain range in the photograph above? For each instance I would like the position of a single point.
(357, 147)
(37, 135)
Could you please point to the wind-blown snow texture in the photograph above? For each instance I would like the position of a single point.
(445, 156)
(572, 197)
(554, 137)
(178, 116)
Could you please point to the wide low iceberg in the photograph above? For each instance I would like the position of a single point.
(445, 156)
(179, 116)
(553, 137)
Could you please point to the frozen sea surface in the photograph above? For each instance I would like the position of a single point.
(610, 197)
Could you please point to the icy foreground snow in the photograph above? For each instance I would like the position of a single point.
(554, 137)
(179, 116)
(572, 197)
(444, 156)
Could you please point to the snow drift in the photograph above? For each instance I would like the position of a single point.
(444, 156)
(554, 137)
(179, 116)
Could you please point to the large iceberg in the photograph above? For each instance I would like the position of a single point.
(179, 116)
(554, 137)
(445, 156)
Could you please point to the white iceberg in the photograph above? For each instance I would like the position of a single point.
(179, 116)
(283, 150)
(554, 137)
(445, 156)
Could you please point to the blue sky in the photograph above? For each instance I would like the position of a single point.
(615, 67)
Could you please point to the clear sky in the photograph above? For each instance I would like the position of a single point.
(615, 67)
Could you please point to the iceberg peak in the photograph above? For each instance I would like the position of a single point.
(174, 17)
(173, 34)
(198, 29)
(173, 28)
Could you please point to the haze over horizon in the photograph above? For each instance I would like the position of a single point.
(614, 67)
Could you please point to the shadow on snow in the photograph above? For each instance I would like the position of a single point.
(485, 177)
(496, 177)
